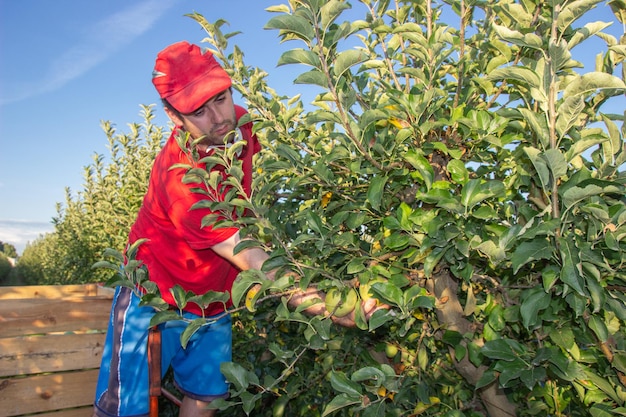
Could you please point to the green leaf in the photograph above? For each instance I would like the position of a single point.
(559, 54)
(112, 253)
(347, 59)
(314, 77)
(292, 24)
(540, 166)
(591, 82)
(588, 189)
(499, 349)
(563, 338)
(246, 244)
(538, 248)
(603, 383)
(529, 40)
(371, 116)
(458, 171)
(576, 194)
(330, 11)
(322, 116)
(288, 153)
(314, 221)
(342, 384)
(153, 300)
(180, 296)
(339, 402)
(387, 292)
(534, 300)
(524, 75)
(596, 292)
(423, 167)
(617, 307)
(243, 282)
(571, 265)
(569, 111)
(612, 147)
(164, 316)
(376, 190)
(486, 378)
(300, 56)
(248, 401)
(476, 191)
(556, 162)
(235, 374)
(590, 29)
(619, 361)
(210, 297)
(599, 328)
(379, 318)
(397, 241)
(369, 373)
(190, 330)
(572, 11)
(494, 252)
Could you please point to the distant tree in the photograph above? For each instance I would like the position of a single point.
(36, 265)
(8, 249)
(5, 268)
(99, 216)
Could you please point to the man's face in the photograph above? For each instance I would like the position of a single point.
(212, 121)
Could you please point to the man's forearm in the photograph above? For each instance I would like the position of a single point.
(249, 258)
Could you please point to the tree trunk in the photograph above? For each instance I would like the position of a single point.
(450, 316)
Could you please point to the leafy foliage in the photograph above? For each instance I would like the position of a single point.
(469, 169)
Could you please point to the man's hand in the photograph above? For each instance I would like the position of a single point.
(311, 294)
(369, 307)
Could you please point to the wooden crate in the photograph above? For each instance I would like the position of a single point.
(51, 340)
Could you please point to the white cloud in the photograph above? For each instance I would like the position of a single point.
(104, 38)
(20, 232)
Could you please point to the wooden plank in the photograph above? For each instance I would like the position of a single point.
(72, 412)
(55, 291)
(25, 317)
(47, 392)
(50, 353)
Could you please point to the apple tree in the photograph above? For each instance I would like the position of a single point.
(467, 172)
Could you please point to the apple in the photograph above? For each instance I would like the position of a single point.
(364, 289)
(341, 305)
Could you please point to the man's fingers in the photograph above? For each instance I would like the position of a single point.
(371, 306)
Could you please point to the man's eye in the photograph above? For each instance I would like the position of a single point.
(198, 112)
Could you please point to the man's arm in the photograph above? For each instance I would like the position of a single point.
(253, 258)
(249, 258)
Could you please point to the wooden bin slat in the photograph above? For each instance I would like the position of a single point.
(55, 291)
(47, 392)
(50, 353)
(71, 412)
(34, 316)
(51, 341)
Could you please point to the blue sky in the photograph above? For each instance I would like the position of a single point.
(66, 65)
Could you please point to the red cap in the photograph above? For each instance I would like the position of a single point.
(187, 77)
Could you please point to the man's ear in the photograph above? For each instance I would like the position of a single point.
(174, 116)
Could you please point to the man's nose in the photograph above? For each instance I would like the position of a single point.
(215, 115)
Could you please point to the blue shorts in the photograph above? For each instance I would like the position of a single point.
(123, 383)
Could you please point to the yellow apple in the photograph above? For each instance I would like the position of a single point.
(339, 304)
(364, 289)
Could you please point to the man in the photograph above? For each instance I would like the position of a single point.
(197, 97)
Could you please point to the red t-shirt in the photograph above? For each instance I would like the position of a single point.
(178, 249)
